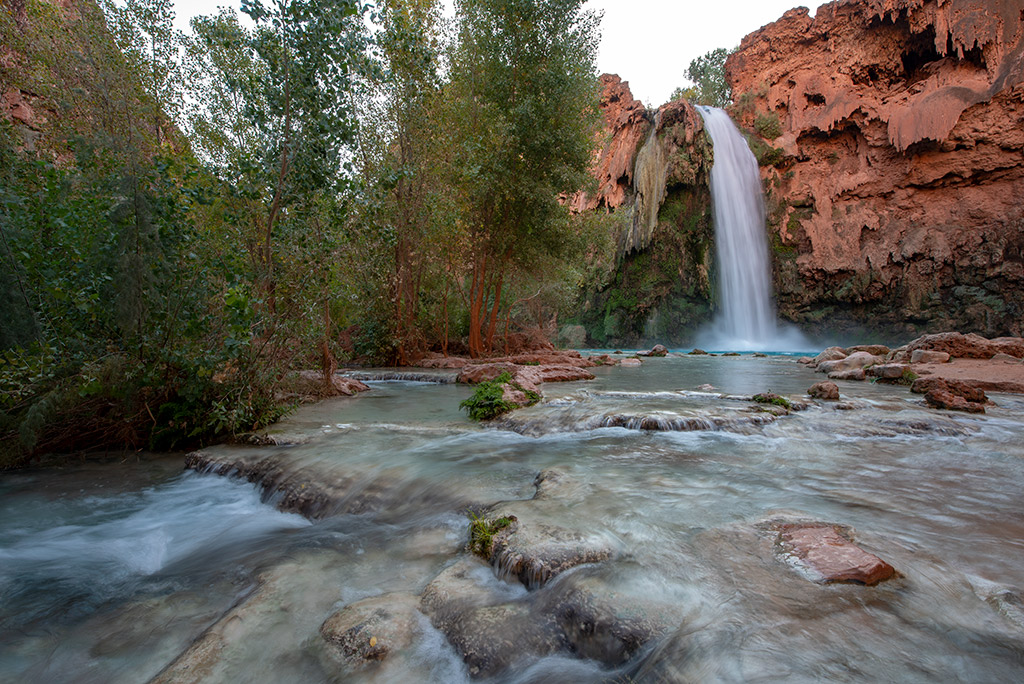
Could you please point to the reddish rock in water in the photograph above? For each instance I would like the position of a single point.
(953, 395)
(944, 399)
(966, 390)
(890, 134)
(827, 551)
(824, 390)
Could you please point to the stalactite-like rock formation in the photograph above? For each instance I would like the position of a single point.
(891, 135)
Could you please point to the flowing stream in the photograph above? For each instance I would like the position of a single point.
(746, 317)
(141, 572)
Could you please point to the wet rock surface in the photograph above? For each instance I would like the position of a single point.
(317, 492)
(828, 552)
(824, 390)
(370, 630)
(954, 395)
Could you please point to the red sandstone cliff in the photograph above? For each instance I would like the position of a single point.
(651, 182)
(896, 188)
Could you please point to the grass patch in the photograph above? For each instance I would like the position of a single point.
(482, 531)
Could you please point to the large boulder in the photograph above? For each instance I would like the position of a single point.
(830, 354)
(888, 371)
(852, 362)
(969, 346)
(874, 349)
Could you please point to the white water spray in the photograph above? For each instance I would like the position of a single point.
(746, 318)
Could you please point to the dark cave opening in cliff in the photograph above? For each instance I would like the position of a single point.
(921, 51)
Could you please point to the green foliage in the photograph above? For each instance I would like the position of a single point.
(768, 126)
(488, 400)
(707, 73)
(774, 399)
(482, 531)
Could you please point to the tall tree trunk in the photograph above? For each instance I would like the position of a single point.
(476, 347)
(493, 322)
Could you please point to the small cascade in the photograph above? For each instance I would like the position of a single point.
(746, 318)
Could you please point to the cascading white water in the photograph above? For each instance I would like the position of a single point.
(746, 317)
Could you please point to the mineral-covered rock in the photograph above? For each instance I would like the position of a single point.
(370, 630)
(890, 134)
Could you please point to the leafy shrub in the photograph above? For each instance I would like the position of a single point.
(488, 400)
(768, 125)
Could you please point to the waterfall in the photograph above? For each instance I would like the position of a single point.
(746, 316)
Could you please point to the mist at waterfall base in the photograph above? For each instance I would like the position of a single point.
(746, 318)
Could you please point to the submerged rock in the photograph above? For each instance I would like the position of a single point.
(534, 552)
(370, 630)
(603, 622)
(824, 390)
(827, 551)
(631, 363)
(697, 352)
(488, 631)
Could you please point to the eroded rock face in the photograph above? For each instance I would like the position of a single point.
(626, 119)
(895, 173)
(652, 169)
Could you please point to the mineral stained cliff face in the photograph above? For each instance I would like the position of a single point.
(891, 137)
(651, 170)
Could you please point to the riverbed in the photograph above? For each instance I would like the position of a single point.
(140, 571)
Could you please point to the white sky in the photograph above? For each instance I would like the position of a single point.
(647, 42)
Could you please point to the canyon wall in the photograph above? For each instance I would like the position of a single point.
(891, 138)
(651, 170)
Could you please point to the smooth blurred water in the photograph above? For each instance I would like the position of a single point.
(746, 318)
(113, 586)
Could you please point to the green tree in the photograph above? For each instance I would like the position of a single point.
(707, 73)
(403, 131)
(521, 120)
